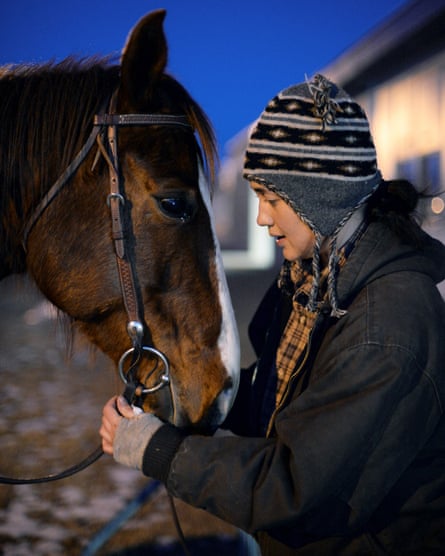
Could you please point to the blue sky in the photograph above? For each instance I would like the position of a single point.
(232, 55)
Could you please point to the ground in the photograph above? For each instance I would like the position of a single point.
(49, 419)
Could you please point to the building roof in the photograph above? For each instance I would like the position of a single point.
(412, 34)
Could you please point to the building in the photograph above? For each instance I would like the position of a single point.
(397, 73)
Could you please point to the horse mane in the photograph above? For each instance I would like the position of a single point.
(46, 113)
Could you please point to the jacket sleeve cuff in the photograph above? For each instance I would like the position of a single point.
(160, 452)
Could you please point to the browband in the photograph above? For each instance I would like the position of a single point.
(140, 119)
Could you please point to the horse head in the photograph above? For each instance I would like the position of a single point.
(183, 300)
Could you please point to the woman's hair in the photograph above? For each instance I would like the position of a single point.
(394, 203)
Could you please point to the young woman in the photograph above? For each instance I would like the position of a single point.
(339, 427)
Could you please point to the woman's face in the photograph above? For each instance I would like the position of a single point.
(295, 238)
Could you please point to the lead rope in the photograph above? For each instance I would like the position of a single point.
(179, 530)
(94, 456)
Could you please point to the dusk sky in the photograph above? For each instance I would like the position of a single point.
(231, 55)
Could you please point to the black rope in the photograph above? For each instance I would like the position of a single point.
(178, 527)
(94, 456)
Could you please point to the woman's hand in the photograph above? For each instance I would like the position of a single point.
(114, 411)
(125, 435)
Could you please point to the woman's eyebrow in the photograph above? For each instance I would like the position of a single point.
(259, 189)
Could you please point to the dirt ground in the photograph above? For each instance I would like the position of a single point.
(49, 419)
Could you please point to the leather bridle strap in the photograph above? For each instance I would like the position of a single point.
(116, 200)
(100, 120)
(127, 275)
(93, 457)
(59, 183)
(141, 119)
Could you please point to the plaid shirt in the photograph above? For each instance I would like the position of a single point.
(296, 278)
(299, 325)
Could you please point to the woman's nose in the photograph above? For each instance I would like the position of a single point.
(263, 217)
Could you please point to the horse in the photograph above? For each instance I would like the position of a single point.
(106, 204)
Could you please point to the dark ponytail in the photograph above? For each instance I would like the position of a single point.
(394, 203)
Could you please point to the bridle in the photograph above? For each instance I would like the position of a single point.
(116, 201)
(108, 147)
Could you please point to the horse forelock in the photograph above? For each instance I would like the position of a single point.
(172, 94)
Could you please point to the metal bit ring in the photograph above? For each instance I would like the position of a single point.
(165, 377)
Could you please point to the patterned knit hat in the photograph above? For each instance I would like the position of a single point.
(312, 146)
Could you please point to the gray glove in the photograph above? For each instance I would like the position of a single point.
(132, 438)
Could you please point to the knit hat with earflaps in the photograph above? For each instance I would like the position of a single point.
(312, 146)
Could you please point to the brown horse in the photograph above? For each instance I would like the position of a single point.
(167, 320)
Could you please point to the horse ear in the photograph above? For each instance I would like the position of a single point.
(144, 58)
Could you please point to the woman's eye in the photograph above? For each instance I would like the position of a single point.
(176, 207)
(273, 201)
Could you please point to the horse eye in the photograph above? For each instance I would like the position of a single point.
(176, 207)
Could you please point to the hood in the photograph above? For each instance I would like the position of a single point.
(379, 253)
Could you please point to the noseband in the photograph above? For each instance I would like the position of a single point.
(108, 147)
